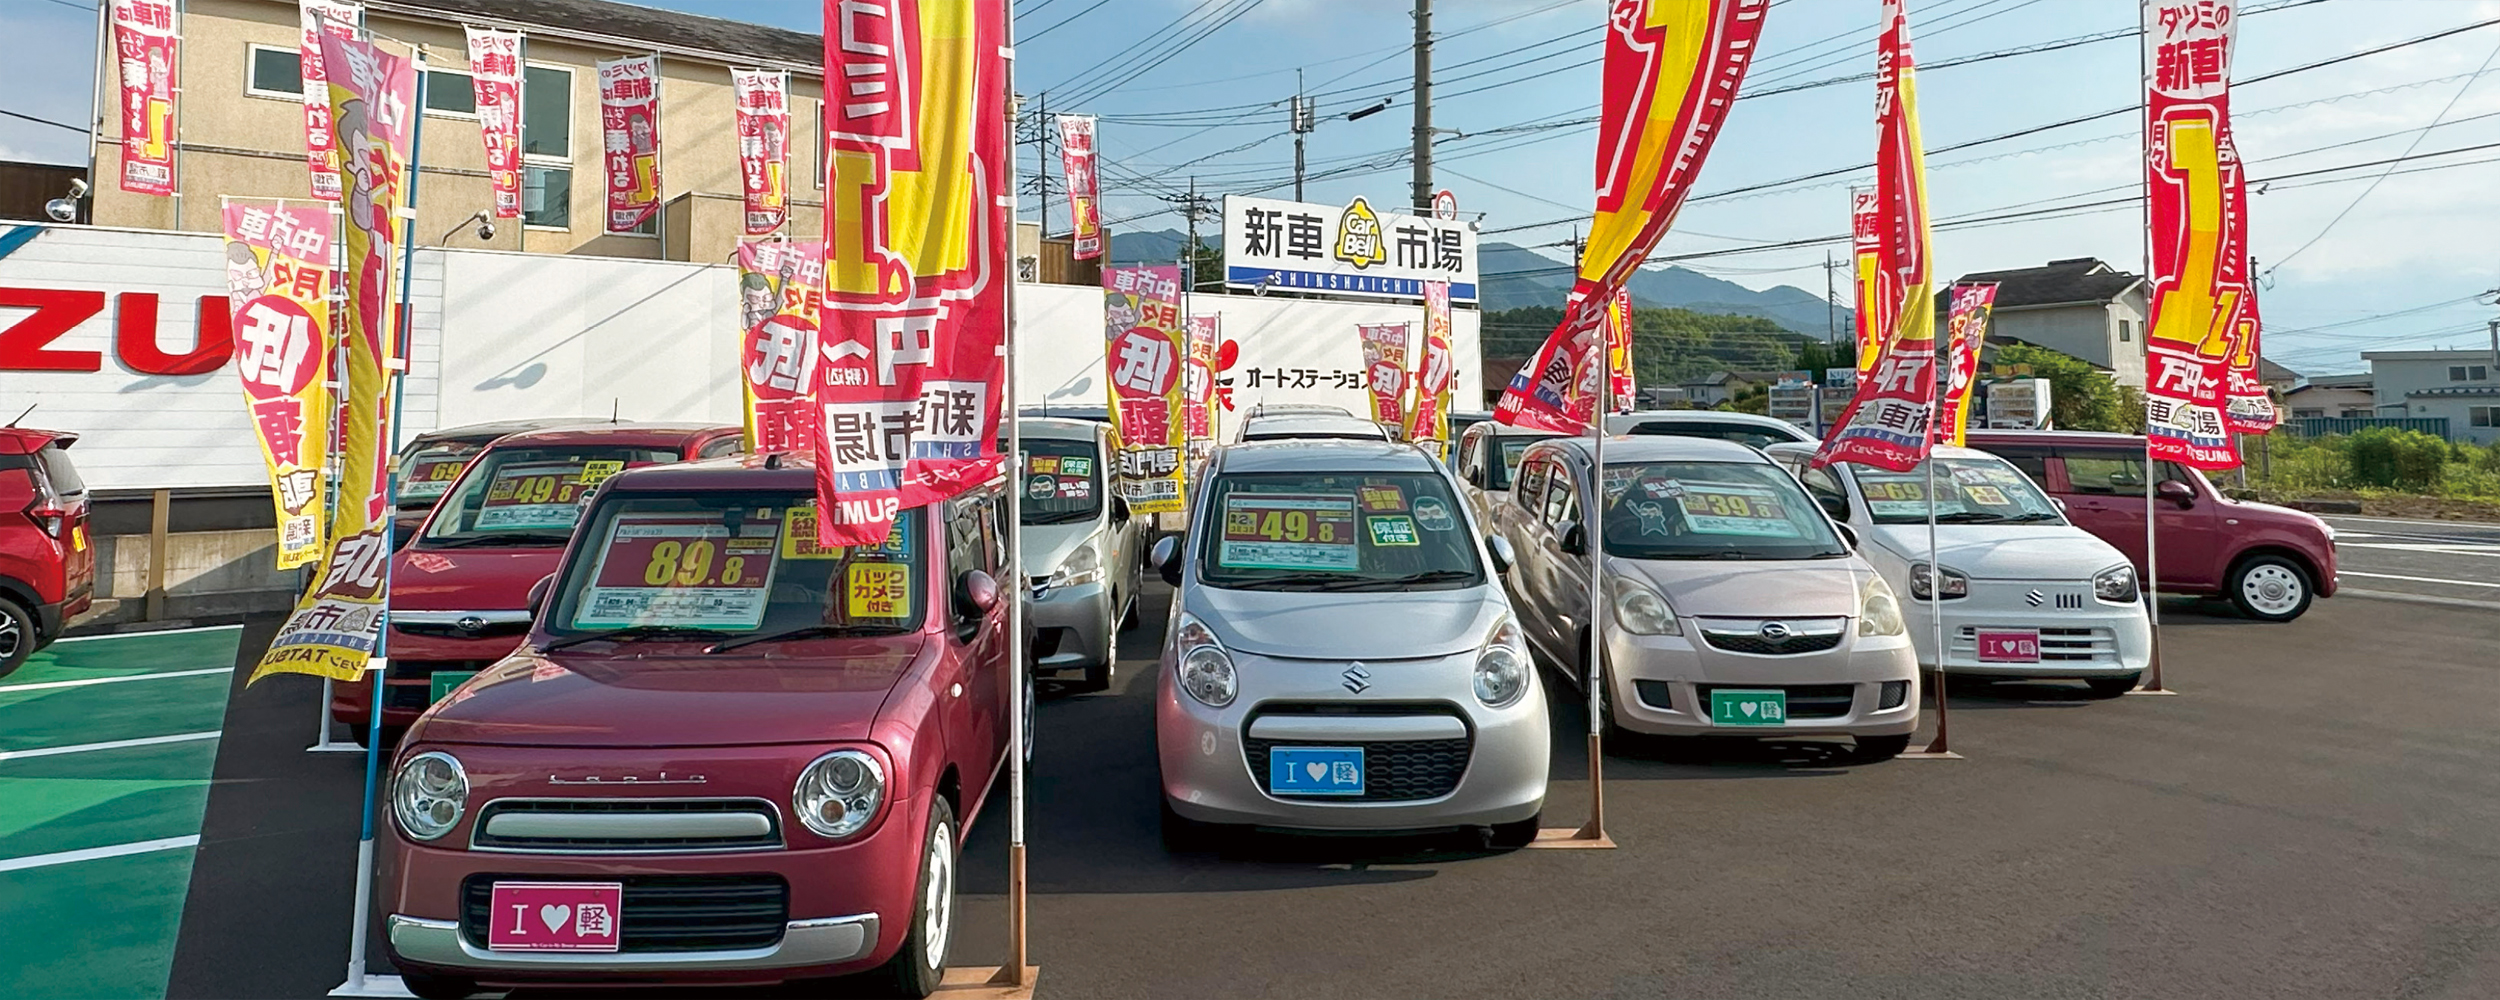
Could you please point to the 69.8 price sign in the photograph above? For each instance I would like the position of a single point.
(681, 569)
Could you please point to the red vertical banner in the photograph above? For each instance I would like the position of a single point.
(495, 80)
(1435, 369)
(2248, 408)
(763, 100)
(1384, 369)
(1888, 424)
(2199, 286)
(629, 130)
(1620, 385)
(781, 289)
(1966, 327)
(316, 18)
(1672, 69)
(144, 47)
(910, 387)
(1198, 390)
(278, 288)
(1876, 292)
(1143, 344)
(1076, 165)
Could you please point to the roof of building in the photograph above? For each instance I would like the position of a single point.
(2356, 380)
(2059, 282)
(735, 42)
(2476, 354)
(1724, 377)
(2456, 390)
(2269, 372)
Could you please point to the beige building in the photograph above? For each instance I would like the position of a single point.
(240, 129)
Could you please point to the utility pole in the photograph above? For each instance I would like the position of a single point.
(1303, 122)
(1423, 106)
(1831, 307)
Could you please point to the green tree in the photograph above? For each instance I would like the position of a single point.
(1668, 345)
(2081, 397)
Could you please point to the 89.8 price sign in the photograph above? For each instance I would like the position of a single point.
(678, 569)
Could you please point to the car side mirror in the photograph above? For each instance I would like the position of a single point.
(1475, 476)
(1166, 558)
(2176, 492)
(1119, 510)
(1848, 536)
(1837, 507)
(1498, 548)
(2060, 502)
(538, 594)
(979, 591)
(1575, 542)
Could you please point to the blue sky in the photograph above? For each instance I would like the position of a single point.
(2400, 269)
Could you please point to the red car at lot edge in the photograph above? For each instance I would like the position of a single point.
(724, 755)
(2269, 561)
(428, 464)
(47, 563)
(460, 591)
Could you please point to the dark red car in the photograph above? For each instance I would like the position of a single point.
(2269, 561)
(460, 590)
(47, 563)
(724, 755)
(428, 465)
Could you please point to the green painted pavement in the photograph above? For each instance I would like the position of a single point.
(35, 720)
(102, 928)
(135, 653)
(75, 801)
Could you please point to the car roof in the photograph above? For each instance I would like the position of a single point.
(1092, 414)
(650, 435)
(1316, 425)
(1662, 448)
(1506, 430)
(1625, 422)
(779, 471)
(1279, 409)
(482, 433)
(2052, 438)
(1323, 455)
(1943, 450)
(30, 439)
(1059, 430)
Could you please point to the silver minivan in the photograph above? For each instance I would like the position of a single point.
(1082, 551)
(1487, 455)
(1736, 607)
(1341, 654)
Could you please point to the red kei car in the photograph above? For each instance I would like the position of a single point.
(2269, 561)
(427, 465)
(723, 755)
(459, 592)
(47, 565)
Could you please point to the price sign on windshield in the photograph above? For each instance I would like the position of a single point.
(1309, 531)
(1736, 509)
(430, 475)
(531, 495)
(682, 569)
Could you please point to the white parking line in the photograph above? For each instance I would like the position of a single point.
(2489, 550)
(144, 634)
(47, 685)
(2416, 579)
(145, 741)
(94, 853)
(2387, 595)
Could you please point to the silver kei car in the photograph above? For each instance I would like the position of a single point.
(1342, 657)
(1734, 606)
(1081, 549)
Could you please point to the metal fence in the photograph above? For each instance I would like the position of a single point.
(2322, 426)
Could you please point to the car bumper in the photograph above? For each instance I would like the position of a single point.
(804, 943)
(1082, 618)
(2100, 640)
(1206, 767)
(1661, 683)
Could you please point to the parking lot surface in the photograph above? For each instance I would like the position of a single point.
(2445, 560)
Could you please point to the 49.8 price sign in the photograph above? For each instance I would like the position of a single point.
(682, 569)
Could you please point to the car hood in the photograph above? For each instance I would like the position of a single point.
(2272, 512)
(468, 579)
(1045, 546)
(1387, 626)
(681, 699)
(2005, 551)
(1791, 588)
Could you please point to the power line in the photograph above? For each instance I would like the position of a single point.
(1061, 23)
(45, 121)
(1143, 68)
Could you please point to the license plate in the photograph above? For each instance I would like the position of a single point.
(555, 916)
(444, 681)
(1748, 708)
(1315, 771)
(2009, 646)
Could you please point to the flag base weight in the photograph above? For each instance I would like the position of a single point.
(987, 983)
(372, 986)
(1558, 838)
(1928, 755)
(2153, 691)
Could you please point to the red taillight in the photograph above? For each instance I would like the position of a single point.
(54, 515)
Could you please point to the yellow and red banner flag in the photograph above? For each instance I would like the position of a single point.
(1198, 388)
(1384, 369)
(2199, 285)
(1144, 342)
(1672, 68)
(278, 283)
(1435, 369)
(763, 99)
(629, 119)
(1875, 291)
(144, 47)
(781, 291)
(495, 81)
(1620, 385)
(1966, 327)
(316, 18)
(1076, 165)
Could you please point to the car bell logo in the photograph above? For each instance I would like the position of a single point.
(1357, 679)
(1359, 239)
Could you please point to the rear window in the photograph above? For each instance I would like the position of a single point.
(428, 472)
(1062, 481)
(1750, 435)
(57, 469)
(528, 496)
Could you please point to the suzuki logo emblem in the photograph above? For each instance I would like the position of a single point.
(2034, 597)
(1775, 631)
(1357, 679)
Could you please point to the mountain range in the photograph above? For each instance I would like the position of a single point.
(1515, 276)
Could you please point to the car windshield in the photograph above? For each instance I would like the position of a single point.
(1972, 491)
(1336, 532)
(1062, 481)
(743, 563)
(528, 496)
(1753, 436)
(1712, 510)
(427, 471)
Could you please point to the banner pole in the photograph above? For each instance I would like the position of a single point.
(2152, 540)
(1016, 977)
(1591, 834)
(1935, 604)
(333, 445)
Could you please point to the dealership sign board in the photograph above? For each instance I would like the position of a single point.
(1352, 250)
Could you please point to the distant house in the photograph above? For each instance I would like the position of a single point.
(2463, 386)
(1720, 386)
(2331, 396)
(2079, 307)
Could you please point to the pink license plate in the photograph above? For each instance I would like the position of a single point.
(555, 916)
(2009, 647)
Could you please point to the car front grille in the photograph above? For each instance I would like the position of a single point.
(1805, 701)
(443, 630)
(418, 696)
(1805, 635)
(666, 913)
(2057, 645)
(581, 826)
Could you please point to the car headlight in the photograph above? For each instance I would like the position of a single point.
(2115, 584)
(428, 795)
(1955, 585)
(1878, 612)
(1641, 610)
(1501, 667)
(1206, 670)
(1082, 567)
(839, 793)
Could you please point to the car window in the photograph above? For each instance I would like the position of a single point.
(1712, 510)
(968, 541)
(1750, 435)
(1062, 481)
(2106, 472)
(58, 471)
(1558, 499)
(528, 496)
(1826, 490)
(718, 447)
(1970, 491)
(1529, 494)
(2174, 471)
(2033, 461)
(733, 562)
(426, 473)
(1336, 532)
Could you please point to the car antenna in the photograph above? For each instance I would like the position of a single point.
(614, 403)
(21, 414)
(773, 460)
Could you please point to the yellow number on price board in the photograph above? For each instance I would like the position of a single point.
(733, 571)
(695, 566)
(663, 565)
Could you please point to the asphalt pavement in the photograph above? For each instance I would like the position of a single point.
(2313, 816)
(2446, 561)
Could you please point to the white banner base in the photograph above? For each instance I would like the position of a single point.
(372, 986)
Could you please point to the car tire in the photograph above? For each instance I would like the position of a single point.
(1882, 747)
(18, 636)
(1128, 618)
(2270, 588)
(2111, 687)
(916, 970)
(1515, 835)
(1098, 675)
(433, 987)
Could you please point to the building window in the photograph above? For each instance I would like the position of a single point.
(450, 92)
(274, 73)
(547, 112)
(2469, 373)
(2355, 412)
(2126, 331)
(546, 196)
(2310, 414)
(2483, 416)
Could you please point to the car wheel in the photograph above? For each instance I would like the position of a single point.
(2271, 588)
(436, 987)
(1882, 747)
(1128, 618)
(2111, 687)
(1028, 719)
(17, 636)
(1098, 675)
(1512, 836)
(916, 970)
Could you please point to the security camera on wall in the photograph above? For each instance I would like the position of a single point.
(66, 209)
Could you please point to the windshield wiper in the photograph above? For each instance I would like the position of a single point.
(631, 632)
(1428, 576)
(802, 632)
(1970, 517)
(2033, 516)
(1064, 517)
